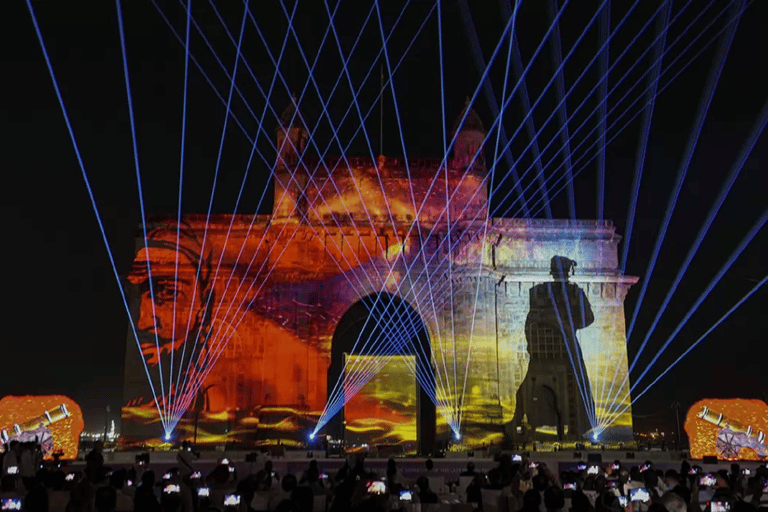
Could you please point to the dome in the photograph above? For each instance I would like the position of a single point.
(472, 121)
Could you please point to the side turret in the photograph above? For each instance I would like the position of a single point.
(290, 176)
(470, 136)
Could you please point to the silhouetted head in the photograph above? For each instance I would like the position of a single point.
(561, 267)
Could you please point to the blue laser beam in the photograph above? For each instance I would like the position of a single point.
(409, 45)
(693, 139)
(139, 186)
(490, 96)
(92, 199)
(562, 112)
(683, 68)
(697, 342)
(605, 21)
(181, 185)
(239, 196)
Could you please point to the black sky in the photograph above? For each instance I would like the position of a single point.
(65, 323)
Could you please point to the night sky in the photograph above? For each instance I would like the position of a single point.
(65, 324)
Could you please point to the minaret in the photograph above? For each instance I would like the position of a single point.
(290, 177)
(467, 173)
(470, 135)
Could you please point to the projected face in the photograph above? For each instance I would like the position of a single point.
(172, 306)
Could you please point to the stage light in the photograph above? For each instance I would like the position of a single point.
(457, 435)
(312, 436)
(595, 437)
(167, 436)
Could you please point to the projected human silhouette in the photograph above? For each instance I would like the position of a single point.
(555, 395)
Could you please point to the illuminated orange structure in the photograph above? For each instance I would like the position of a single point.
(277, 301)
(57, 414)
(733, 429)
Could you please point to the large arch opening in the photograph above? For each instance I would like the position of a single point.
(366, 330)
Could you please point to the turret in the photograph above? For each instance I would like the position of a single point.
(290, 176)
(470, 135)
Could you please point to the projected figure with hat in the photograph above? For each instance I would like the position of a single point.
(555, 399)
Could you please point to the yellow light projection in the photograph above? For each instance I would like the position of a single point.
(383, 412)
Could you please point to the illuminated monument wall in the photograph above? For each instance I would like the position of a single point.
(330, 243)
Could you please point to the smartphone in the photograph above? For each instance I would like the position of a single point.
(614, 467)
(719, 506)
(693, 471)
(765, 488)
(642, 495)
(172, 489)
(569, 486)
(323, 476)
(645, 467)
(167, 476)
(593, 470)
(581, 466)
(517, 458)
(204, 492)
(70, 477)
(612, 484)
(533, 465)
(406, 495)
(231, 469)
(623, 501)
(707, 480)
(129, 483)
(746, 472)
(13, 470)
(231, 500)
(225, 460)
(196, 474)
(10, 504)
(377, 487)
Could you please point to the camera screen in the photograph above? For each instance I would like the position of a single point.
(623, 501)
(517, 458)
(707, 480)
(720, 506)
(204, 492)
(10, 504)
(172, 489)
(231, 500)
(13, 470)
(196, 474)
(69, 477)
(593, 470)
(641, 494)
(569, 486)
(406, 495)
(377, 487)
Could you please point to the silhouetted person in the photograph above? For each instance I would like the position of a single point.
(556, 374)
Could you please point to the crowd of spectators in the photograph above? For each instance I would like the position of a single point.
(511, 486)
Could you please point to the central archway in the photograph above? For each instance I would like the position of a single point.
(364, 321)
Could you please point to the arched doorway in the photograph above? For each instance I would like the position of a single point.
(355, 325)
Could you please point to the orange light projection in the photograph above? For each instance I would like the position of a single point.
(733, 429)
(56, 419)
(237, 317)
